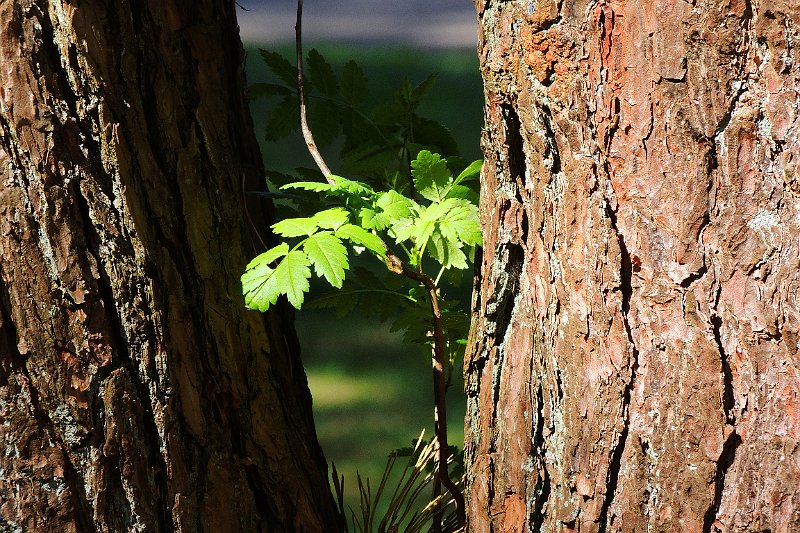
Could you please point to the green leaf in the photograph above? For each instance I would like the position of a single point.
(423, 88)
(295, 227)
(354, 84)
(431, 176)
(371, 219)
(284, 120)
(361, 237)
(328, 255)
(260, 90)
(279, 179)
(353, 187)
(394, 205)
(425, 224)
(332, 218)
(314, 186)
(259, 287)
(473, 170)
(463, 192)
(322, 74)
(447, 252)
(291, 277)
(258, 282)
(403, 229)
(269, 256)
(280, 67)
(461, 222)
(432, 134)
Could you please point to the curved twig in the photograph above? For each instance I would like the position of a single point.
(307, 135)
(439, 381)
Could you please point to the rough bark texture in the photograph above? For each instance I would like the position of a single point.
(136, 393)
(635, 364)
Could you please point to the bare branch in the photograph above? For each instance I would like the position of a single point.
(307, 135)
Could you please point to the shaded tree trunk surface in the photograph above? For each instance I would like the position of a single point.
(635, 360)
(136, 393)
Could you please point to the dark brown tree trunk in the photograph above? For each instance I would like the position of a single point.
(635, 364)
(136, 393)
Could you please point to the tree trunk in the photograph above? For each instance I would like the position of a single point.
(136, 393)
(635, 364)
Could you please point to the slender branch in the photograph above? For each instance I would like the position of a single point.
(439, 381)
(307, 135)
(395, 264)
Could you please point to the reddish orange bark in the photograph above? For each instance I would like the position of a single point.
(635, 364)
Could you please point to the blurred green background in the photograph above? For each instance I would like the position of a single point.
(372, 394)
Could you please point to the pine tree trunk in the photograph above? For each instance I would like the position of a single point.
(635, 364)
(136, 393)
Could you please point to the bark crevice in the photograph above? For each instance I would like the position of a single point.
(542, 489)
(618, 449)
(724, 463)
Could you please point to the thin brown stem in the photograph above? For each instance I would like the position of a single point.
(395, 264)
(439, 381)
(307, 135)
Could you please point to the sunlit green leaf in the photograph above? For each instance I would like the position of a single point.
(431, 176)
(295, 227)
(461, 223)
(447, 252)
(314, 186)
(394, 205)
(472, 171)
(328, 255)
(359, 236)
(331, 218)
(269, 256)
(291, 277)
(259, 287)
(352, 186)
(258, 283)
